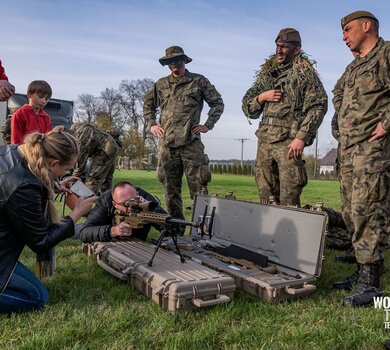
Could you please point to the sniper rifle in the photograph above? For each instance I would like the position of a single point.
(142, 213)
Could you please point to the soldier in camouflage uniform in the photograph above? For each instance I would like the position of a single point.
(180, 97)
(102, 149)
(290, 95)
(349, 257)
(362, 104)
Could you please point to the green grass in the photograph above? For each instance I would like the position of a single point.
(90, 309)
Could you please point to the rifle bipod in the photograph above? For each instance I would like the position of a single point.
(167, 232)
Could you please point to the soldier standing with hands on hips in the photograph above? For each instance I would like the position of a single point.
(180, 97)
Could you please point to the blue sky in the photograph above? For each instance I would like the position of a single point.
(85, 46)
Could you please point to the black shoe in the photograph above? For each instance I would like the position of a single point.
(348, 283)
(387, 344)
(367, 286)
(348, 258)
(362, 297)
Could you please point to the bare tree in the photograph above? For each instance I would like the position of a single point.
(133, 93)
(87, 106)
(111, 108)
(133, 144)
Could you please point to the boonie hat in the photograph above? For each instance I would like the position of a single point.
(288, 35)
(172, 53)
(355, 15)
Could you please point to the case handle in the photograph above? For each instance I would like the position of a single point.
(220, 299)
(111, 270)
(306, 288)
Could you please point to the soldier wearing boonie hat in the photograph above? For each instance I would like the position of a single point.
(172, 54)
(362, 105)
(288, 124)
(180, 97)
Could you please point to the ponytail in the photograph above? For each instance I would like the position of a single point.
(57, 144)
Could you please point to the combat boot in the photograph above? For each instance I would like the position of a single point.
(348, 258)
(367, 286)
(349, 282)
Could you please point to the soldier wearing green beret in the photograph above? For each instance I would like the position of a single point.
(180, 97)
(362, 104)
(293, 102)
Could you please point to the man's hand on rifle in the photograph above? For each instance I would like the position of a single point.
(121, 230)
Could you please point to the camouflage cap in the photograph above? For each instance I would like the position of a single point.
(174, 52)
(289, 35)
(355, 15)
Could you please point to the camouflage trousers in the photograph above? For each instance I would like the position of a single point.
(172, 164)
(338, 237)
(364, 173)
(278, 176)
(101, 171)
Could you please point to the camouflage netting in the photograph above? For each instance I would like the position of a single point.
(302, 70)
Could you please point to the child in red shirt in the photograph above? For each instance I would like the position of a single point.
(31, 117)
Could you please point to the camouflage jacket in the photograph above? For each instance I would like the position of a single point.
(181, 101)
(94, 139)
(302, 107)
(364, 99)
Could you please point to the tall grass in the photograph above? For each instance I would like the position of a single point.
(89, 309)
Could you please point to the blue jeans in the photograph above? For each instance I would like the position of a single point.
(24, 292)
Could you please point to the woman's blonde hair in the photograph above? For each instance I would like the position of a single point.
(57, 144)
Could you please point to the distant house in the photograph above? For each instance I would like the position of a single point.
(328, 163)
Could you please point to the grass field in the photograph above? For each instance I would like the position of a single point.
(89, 309)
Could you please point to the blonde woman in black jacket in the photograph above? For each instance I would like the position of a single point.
(28, 178)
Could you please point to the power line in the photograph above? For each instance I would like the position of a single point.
(242, 150)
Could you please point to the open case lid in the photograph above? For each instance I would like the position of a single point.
(291, 237)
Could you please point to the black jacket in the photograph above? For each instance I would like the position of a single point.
(97, 226)
(23, 200)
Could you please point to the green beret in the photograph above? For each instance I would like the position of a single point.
(288, 35)
(355, 15)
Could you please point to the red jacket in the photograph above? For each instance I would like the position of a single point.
(25, 121)
(2, 73)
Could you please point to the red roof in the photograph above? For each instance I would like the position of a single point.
(330, 158)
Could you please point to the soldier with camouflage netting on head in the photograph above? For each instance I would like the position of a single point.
(290, 95)
(180, 97)
(101, 148)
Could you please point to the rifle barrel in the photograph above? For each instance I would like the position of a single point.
(181, 222)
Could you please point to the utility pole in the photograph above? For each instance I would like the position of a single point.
(242, 151)
(315, 158)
